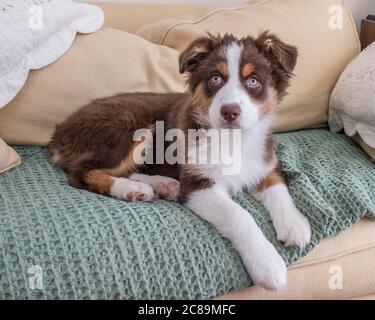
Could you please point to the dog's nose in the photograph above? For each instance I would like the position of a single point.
(230, 112)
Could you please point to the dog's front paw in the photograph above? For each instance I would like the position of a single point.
(269, 269)
(295, 230)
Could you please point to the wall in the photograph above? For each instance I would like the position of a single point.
(361, 8)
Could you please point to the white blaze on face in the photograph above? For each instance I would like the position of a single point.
(233, 92)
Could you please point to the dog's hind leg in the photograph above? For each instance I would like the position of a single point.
(100, 181)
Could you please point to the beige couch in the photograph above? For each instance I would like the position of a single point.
(349, 257)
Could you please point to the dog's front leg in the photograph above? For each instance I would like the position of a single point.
(292, 228)
(263, 263)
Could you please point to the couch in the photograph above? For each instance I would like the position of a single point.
(350, 254)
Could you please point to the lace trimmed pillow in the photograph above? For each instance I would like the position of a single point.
(35, 33)
(352, 104)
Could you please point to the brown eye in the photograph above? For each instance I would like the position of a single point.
(216, 80)
(252, 82)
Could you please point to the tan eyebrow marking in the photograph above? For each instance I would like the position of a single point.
(222, 67)
(247, 70)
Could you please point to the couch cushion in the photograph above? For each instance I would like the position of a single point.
(324, 52)
(92, 246)
(311, 278)
(8, 157)
(370, 151)
(130, 17)
(101, 64)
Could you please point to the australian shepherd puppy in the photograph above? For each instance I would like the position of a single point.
(233, 84)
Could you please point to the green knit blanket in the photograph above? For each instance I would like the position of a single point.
(82, 245)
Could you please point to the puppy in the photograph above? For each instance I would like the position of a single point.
(233, 84)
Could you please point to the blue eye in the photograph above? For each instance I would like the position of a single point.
(252, 82)
(216, 80)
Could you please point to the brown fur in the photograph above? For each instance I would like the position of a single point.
(269, 103)
(192, 180)
(269, 154)
(222, 67)
(201, 101)
(275, 177)
(98, 181)
(96, 142)
(247, 70)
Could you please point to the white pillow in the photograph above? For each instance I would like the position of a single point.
(352, 105)
(34, 34)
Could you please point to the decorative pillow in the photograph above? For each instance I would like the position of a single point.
(34, 34)
(324, 52)
(101, 64)
(352, 105)
(8, 157)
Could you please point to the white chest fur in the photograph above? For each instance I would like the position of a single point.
(250, 163)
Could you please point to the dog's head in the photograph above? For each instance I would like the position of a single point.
(237, 82)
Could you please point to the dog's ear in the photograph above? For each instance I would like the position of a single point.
(280, 54)
(191, 57)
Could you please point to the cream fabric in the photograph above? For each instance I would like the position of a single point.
(130, 17)
(35, 34)
(100, 64)
(352, 102)
(353, 251)
(370, 151)
(324, 53)
(367, 297)
(8, 157)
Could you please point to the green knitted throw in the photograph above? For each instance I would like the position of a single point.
(96, 247)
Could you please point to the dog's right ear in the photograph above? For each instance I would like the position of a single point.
(192, 56)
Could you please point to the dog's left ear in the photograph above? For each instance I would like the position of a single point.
(279, 53)
(191, 57)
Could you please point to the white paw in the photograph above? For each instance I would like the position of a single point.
(294, 230)
(129, 190)
(269, 269)
(166, 188)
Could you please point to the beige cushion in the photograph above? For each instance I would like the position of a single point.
(100, 64)
(366, 297)
(324, 53)
(130, 17)
(370, 151)
(309, 278)
(8, 157)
